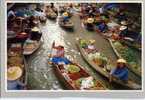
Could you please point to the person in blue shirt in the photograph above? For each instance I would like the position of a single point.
(58, 55)
(102, 27)
(120, 72)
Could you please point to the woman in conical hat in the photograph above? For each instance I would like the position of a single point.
(13, 76)
(120, 71)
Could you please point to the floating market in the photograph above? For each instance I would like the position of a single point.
(74, 46)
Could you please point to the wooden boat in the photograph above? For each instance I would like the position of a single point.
(30, 46)
(52, 15)
(138, 73)
(136, 46)
(16, 58)
(71, 81)
(130, 84)
(67, 25)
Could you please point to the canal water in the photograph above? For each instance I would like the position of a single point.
(40, 73)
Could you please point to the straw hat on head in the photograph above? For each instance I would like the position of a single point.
(122, 28)
(35, 29)
(92, 41)
(65, 14)
(121, 61)
(123, 22)
(13, 73)
(90, 20)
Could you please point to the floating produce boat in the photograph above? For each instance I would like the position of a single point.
(51, 15)
(74, 77)
(68, 25)
(16, 59)
(134, 68)
(97, 65)
(30, 46)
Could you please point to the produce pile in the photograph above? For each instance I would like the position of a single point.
(128, 54)
(83, 43)
(98, 58)
(72, 68)
(87, 83)
(15, 56)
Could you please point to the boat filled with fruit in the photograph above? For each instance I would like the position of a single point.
(74, 77)
(102, 64)
(129, 54)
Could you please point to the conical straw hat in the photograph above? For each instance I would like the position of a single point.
(13, 73)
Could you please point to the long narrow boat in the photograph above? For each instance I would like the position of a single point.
(73, 81)
(130, 84)
(136, 46)
(31, 46)
(137, 72)
(16, 58)
(131, 68)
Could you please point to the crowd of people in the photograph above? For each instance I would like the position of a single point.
(110, 19)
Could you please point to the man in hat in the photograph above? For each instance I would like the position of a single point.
(126, 34)
(120, 72)
(35, 33)
(123, 31)
(13, 76)
(58, 55)
(65, 17)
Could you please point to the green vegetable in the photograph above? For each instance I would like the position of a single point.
(73, 69)
(83, 43)
(129, 54)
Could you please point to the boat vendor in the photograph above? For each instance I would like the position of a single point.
(13, 78)
(36, 34)
(102, 27)
(58, 55)
(120, 72)
(126, 34)
(65, 17)
(90, 23)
